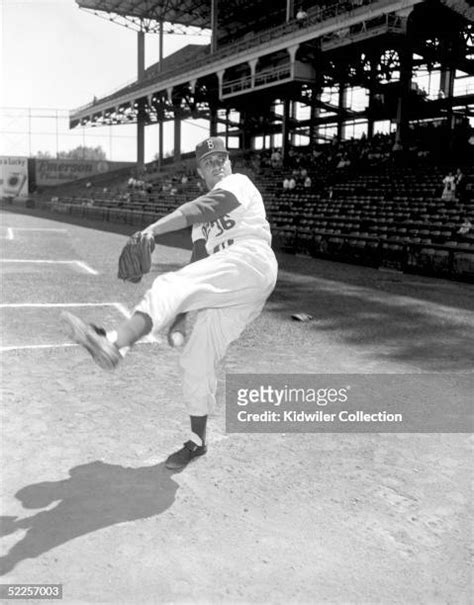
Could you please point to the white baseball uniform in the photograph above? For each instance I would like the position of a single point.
(228, 288)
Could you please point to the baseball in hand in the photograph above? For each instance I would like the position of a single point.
(177, 339)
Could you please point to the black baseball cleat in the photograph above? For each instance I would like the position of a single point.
(93, 339)
(183, 457)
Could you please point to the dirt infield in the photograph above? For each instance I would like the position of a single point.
(281, 518)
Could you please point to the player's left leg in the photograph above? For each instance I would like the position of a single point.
(212, 334)
(230, 278)
(107, 348)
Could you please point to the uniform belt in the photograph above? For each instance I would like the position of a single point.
(223, 245)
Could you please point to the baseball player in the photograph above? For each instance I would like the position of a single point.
(232, 272)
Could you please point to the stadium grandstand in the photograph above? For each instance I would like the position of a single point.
(349, 115)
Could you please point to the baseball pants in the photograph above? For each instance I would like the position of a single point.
(228, 290)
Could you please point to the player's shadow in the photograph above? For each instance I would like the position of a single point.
(96, 495)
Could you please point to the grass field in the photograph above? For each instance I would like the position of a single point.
(265, 518)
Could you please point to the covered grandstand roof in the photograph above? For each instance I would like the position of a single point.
(182, 56)
(189, 13)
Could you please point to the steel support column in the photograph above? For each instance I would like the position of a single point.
(160, 119)
(341, 115)
(177, 135)
(141, 111)
(285, 130)
(374, 61)
(406, 65)
(290, 9)
(214, 25)
(446, 83)
(315, 110)
(213, 119)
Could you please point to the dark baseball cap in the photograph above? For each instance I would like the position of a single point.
(210, 146)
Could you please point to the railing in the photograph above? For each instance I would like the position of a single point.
(268, 77)
(115, 90)
(261, 79)
(372, 27)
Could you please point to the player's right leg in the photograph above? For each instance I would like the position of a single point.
(212, 333)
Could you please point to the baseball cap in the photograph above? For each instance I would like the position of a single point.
(210, 146)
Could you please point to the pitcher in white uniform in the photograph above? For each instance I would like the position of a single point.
(232, 272)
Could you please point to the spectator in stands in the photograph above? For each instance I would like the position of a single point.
(397, 153)
(422, 154)
(307, 182)
(466, 226)
(275, 159)
(460, 185)
(301, 17)
(344, 162)
(292, 184)
(291, 157)
(449, 189)
(343, 33)
(286, 183)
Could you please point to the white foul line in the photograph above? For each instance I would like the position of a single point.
(37, 229)
(10, 235)
(86, 267)
(80, 263)
(44, 305)
(27, 347)
(123, 309)
(54, 346)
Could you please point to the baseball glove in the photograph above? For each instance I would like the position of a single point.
(135, 258)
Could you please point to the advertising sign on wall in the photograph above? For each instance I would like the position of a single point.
(56, 172)
(13, 176)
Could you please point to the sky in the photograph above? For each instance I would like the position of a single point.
(55, 57)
